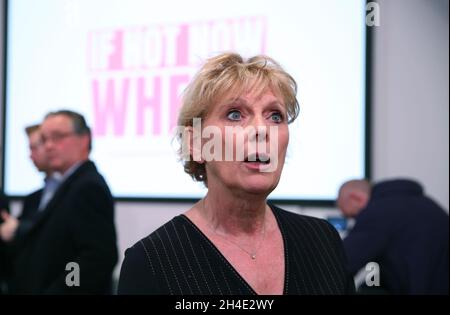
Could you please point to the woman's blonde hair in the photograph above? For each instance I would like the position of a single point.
(226, 74)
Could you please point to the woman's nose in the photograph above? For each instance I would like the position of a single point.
(258, 130)
(257, 121)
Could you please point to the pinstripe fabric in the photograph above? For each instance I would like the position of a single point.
(178, 259)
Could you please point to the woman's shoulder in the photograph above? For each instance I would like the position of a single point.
(141, 268)
(156, 239)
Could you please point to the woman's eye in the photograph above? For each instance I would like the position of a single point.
(234, 115)
(276, 117)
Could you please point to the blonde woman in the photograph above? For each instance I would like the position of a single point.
(232, 241)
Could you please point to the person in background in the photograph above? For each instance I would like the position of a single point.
(13, 226)
(39, 158)
(402, 230)
(232, 241)
(71, 246)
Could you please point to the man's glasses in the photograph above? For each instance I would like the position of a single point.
(56, 137)
(36, 145)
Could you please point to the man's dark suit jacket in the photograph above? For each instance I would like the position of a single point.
(29, 213)
(76, 226)
(30, 205)
(7, 251)
(406, 233)
(4, 202)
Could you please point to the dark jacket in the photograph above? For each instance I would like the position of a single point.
(4, 203)
(76, 226)
(406, 233)
(30, 205)
(29, 213)
(26, 217)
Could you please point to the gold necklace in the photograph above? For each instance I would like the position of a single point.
(251, 254)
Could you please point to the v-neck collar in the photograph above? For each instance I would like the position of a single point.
(241, 278)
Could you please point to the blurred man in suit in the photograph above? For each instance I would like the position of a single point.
(402, 230)
(13, 226)
(10, 226)
(70, 247)
(39, 158)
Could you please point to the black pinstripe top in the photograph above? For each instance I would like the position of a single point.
(179, 259)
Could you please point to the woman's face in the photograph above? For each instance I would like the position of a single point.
(252, 133)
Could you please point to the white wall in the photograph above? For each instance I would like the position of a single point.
(410, 111)
(411, 98)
